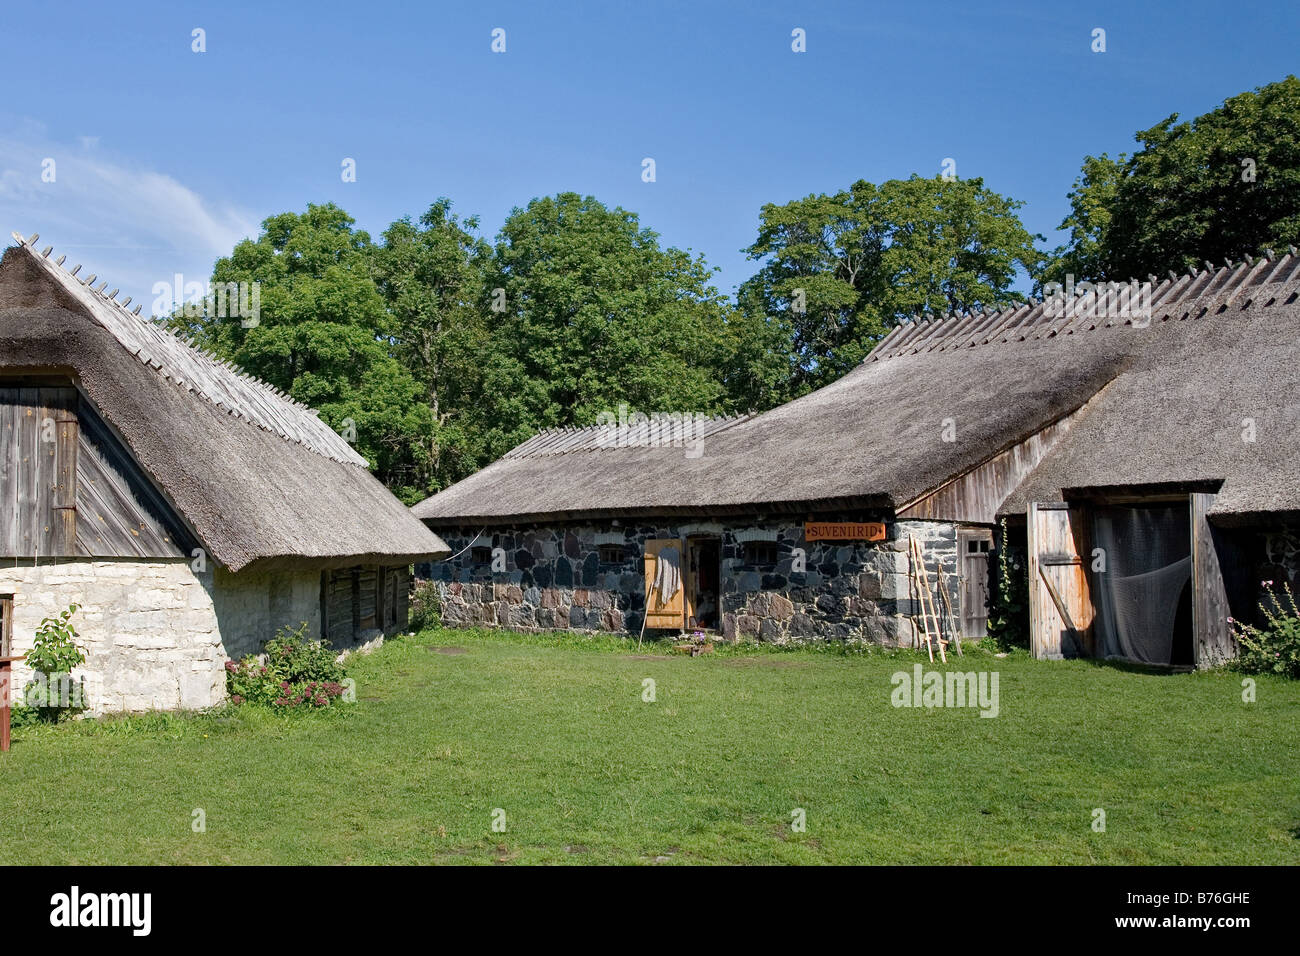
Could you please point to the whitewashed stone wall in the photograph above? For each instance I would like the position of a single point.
(156, 634)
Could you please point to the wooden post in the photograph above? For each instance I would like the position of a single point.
(6, 682)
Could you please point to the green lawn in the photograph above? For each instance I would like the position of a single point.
(554, 732)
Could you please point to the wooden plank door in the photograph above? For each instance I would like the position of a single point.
(38, 471)
(667, 613)
(1212, 641)
(1060, 603)
(973, 547)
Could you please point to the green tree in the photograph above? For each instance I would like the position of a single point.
(325, 337)
(594, 313)
(1091, 201)
(839, 271)
(1224, 185)
(431, 276)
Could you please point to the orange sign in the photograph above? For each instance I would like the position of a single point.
(844, 531)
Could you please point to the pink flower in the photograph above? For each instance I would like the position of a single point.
(236, 699)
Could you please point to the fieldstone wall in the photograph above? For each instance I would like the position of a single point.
(155, 633)
(555, 577)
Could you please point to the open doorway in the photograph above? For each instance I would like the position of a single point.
(703, 583)
(1142, 582)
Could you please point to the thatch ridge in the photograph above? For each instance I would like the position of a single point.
(1176, 296)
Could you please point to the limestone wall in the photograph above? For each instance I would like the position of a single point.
(155, 633)
(555, 577)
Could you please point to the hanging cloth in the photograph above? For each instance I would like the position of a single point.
(668, 573)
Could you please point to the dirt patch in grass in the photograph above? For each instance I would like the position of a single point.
(448, 650)
(762, 662)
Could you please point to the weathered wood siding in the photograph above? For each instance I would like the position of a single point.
(363, 599)
(119, 513)
(68, 487)
(337, 625)
(975, 497)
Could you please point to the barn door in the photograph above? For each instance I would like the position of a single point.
(973, 547)
(665, 578)
(1060, 605)
(1213, 643)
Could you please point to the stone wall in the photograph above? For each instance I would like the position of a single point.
(554, 577)
(155, 633)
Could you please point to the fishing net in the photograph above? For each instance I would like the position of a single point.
(1141, 595)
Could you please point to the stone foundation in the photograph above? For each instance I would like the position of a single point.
(556, 578)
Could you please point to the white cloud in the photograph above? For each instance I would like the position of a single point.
(131, 225)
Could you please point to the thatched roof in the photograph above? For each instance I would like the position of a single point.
(938, 397)
(259, 478)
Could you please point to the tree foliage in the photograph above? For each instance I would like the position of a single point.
(324, 336)
(1224, 185)
(839, 271)
(597, 313)
(431, 276)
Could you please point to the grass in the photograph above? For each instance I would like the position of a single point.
(451, 725)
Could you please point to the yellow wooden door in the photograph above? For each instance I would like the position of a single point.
(665, 581)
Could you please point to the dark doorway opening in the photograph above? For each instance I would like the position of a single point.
(703, 583)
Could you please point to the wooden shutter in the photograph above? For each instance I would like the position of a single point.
(669, 614)
(973, 547)
(1060, 603)
(38, 471)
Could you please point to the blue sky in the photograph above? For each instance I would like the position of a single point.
(165, 157)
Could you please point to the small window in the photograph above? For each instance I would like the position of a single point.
(760, 552)
(480, 555)
(611, 554)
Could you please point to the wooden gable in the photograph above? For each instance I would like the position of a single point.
(69, 487)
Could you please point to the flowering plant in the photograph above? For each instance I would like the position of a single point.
(294, 671)
(1274, 647)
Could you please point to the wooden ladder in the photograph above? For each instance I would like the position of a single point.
(921, 578)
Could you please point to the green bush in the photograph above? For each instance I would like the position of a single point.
(297, 671)
(292, 656)
(426, 609)
(53, 694)
(1273, 648)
